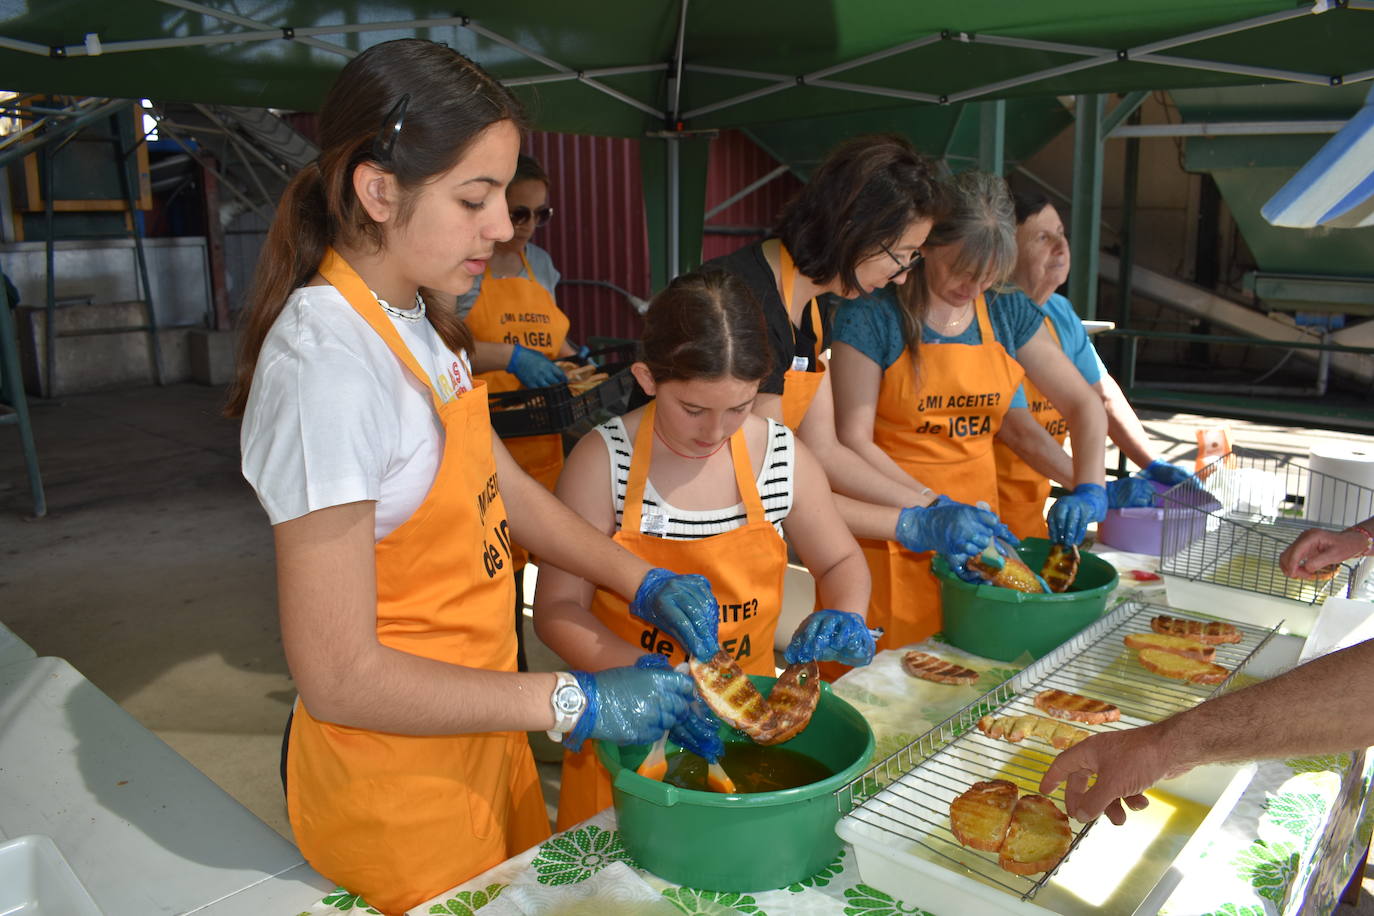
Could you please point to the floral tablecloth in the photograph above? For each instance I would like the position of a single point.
(1288, 847)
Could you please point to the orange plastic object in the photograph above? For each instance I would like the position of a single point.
(1212, 444)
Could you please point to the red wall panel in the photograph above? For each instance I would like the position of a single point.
(597, 231)
(735, 162)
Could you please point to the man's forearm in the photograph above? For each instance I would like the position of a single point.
(1325, 706)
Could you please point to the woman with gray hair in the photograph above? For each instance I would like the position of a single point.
(923, 378)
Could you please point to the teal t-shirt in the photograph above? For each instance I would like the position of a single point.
(873, 325)
(1073, 340)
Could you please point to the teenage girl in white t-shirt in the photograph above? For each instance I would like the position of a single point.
(393, 506)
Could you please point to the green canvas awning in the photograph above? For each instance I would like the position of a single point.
(611, 67)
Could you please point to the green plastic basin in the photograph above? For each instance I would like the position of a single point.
(1003, 623)
(742, 843)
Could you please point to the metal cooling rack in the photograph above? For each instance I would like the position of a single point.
(1228, 524)
(907, 795)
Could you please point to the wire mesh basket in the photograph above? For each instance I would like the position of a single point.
(1228, 524)
(902, 802)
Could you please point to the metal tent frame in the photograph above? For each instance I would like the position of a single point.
(1094, 124)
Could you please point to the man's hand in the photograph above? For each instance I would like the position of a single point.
(1126, 763)
(1317, 548)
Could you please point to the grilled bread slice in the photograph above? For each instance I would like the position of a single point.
(1061, 567)
(1017, 728)
(1182, 668)
(1063, 705)
(1006, 571)
(1179, 645)
(930, 668)
(979, 818)
(1037, 837)
(1212, 632)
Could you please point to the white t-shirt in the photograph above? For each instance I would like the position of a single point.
(335, 417)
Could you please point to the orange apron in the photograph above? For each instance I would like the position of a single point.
(799, 386)
(1022, 490)
(745, 567)
(517, 310)
(401, 818)
(940, 430)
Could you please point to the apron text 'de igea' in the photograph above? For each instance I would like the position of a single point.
(745, 567)
(1022, 490)
(401, 818)
(940, 429)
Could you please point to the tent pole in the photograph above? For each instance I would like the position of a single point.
(255, 24)
(992, 135)
(1085, 236)
(1130, 183)
(674, 206)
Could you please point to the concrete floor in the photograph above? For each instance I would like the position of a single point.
(153, 571)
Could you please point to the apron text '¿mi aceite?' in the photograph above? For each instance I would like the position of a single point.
(745, 567)
(940, 430)
(398, 819)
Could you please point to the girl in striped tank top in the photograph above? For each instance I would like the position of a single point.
(697, 483)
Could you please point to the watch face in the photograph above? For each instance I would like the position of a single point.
(569, 699)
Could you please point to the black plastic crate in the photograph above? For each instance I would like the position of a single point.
(614, 357)
(535, 411)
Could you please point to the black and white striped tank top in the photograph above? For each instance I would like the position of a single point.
(774, 483)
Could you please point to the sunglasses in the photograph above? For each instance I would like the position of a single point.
(903, 266)
(521, 215)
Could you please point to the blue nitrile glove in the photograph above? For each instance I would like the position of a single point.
(1130, 493)
(683, 606)
(831, 636)
(699, 731)
(956, 530)
(630, 705)
(1070, 514)
(534, 369)
(583, 354)
(1171, 475)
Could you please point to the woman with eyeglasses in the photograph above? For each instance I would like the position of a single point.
(924, 376)
(519, 331)
(855, 227)
(1030, 445)
(406, 766)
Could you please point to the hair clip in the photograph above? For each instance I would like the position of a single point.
(385, 143)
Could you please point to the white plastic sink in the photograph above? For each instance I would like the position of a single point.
(35, 880)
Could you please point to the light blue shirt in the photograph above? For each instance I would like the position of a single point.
(1073, 340)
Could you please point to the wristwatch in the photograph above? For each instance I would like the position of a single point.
(568, 703)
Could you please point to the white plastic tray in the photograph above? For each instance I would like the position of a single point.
(35, 880)
(1290, 616)
(901, 839)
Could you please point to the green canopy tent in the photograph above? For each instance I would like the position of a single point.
(796, 74)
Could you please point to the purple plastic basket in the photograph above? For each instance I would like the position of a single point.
(1142, 530)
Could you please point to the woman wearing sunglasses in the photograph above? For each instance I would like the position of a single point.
(855, 227)
(520, 330)
(925, 375)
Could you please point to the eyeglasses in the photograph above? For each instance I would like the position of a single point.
(521, 215)
(902, 266)
(385, 144)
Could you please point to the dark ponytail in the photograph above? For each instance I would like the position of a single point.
(452, 102)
